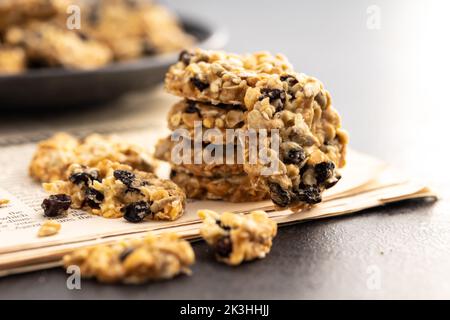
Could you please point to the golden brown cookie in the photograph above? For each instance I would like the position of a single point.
(114, 190)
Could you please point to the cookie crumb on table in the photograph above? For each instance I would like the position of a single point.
(236, 238)
(3, 202)
(135, 261)
(49, 228)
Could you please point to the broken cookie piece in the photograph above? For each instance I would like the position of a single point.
(236, 237)
(114, 190)
(3, 202)
(55, 155)
(134, 261)
(49, 228)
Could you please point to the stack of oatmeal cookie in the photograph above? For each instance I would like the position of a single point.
(258, 92)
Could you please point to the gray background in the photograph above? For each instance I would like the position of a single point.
(391, 87)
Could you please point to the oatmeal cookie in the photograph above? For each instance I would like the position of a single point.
(54, 155)
(47, 44)
(236, 238)
(114, 190)
(238, 188)
(12, 60)
(218, 77)
(134, 261)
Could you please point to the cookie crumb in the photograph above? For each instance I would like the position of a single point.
(3, 202)
(49, 228)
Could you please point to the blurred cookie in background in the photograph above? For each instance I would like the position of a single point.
(36, 33)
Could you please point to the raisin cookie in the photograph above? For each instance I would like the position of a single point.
(54, 155)
(114, 190)
(236, 238)
(134, 261)
(217, 77)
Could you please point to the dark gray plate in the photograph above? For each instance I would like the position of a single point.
(52, 88)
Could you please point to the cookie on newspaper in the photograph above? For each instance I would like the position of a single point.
(134, 261)
(114, 190)
(236, 238)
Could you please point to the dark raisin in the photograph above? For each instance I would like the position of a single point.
(279, 196)
(56, 205)
(125, 253)
(223, 246)
(185, 57)
(85, 178)
(173, 174)
(93, 198)
(324, 171)
(321, 99)
(192, 108)
(224, 227)
(291, 80)
(199, 84)
(137, 211)
(272, 94)
(126, 177)
(309, 194)
(294, 156)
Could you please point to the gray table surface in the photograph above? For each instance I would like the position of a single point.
(390, 85)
